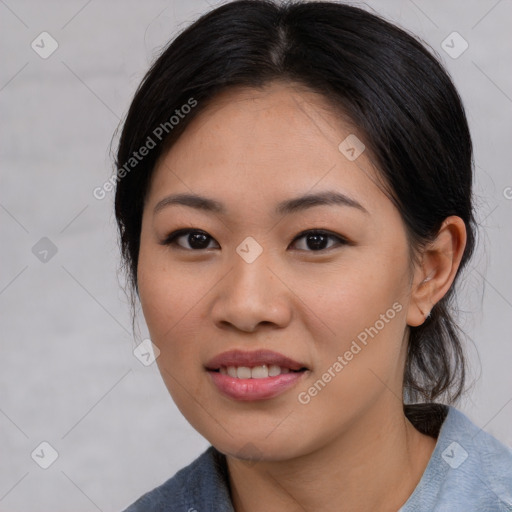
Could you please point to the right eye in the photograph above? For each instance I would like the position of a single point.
(196, 239)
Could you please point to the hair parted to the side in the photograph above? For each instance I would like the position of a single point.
(388, 85)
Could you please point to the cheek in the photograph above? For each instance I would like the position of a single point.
(165, 297)
(364, 307)
(352, 298)
(168, 307)
(166, 293)
(361, 363)
(167, 303)
(173, 298)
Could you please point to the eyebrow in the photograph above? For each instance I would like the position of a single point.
(286, 207)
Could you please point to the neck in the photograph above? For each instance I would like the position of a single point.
(374, 465)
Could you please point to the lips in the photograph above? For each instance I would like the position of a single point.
(257, 375)
(240, 358)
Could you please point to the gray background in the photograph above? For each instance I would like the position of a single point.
(67, 372)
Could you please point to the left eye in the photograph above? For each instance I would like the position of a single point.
(317, 240)
(195, 239)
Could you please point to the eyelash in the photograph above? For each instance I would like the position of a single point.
(172, 237)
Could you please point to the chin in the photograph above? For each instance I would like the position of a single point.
(254, 448)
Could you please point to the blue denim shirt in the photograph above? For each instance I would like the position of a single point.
(469, 471)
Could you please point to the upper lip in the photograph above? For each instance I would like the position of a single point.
(251, 359)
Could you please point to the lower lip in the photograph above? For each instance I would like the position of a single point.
(255, 389)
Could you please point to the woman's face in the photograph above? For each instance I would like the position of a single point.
(249, 278)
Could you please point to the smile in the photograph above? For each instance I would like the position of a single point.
(258, 375)
(257, 372)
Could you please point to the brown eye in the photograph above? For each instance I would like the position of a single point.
(191, 239)
(314, 241)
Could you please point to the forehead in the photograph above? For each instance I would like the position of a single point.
(281, 140)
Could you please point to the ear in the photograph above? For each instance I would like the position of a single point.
(440, 261)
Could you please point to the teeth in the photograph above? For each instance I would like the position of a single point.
(257, 372)
(273, 370)
(242, 372)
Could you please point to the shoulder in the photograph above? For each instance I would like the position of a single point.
(202, 485)
(478, 460)
(469, 469)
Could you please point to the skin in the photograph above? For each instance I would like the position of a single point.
(351, 446)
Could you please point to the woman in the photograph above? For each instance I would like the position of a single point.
(294, 199)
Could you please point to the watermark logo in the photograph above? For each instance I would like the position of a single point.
(454, 45)
(44, 45)
(44, 455)
(351, 147)
(250, 453)
(146, 352)
(249, 250)
(44, 250)
(454, 455)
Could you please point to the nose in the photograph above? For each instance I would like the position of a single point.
(252, 295)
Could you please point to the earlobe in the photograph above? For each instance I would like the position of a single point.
(421, 300)
(436, 273)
